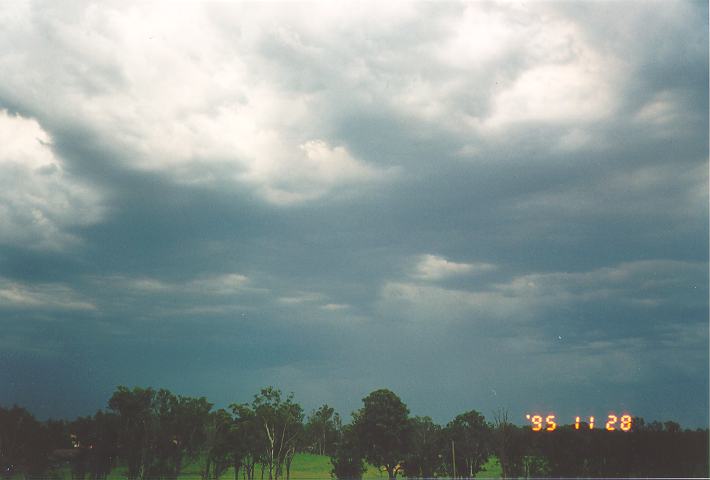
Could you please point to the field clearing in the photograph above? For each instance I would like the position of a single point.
(305, 466)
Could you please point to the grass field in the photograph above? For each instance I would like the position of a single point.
(305, 466)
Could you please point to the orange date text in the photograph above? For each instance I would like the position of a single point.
(549, 422)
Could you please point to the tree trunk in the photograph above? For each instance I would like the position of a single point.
(390, 471)
(289, 458)
(205, 474)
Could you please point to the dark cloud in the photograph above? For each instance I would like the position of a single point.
(477, 206)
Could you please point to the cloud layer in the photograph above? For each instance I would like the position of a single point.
(478, 205)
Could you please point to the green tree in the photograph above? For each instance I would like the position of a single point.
(470, 438)
(282, 423)
(508, 444)
(95, 441)
(247, 440)
(382, 428)
(104, 445)
(158, 431)
(424, 455)
(180, 432)
(25, 443)
(217, 447)
(321, 430)
(347, 458)
(135, 423)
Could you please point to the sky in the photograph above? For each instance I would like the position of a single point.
(475, 205)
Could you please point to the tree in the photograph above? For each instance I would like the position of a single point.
(347, 458)
(158, 431)
(105, 440)
(282, 423)
(217, 447)
(321, 430)
(471, 437)
(424, 455)
(134, 410)
(24, 442)
(508, 444)
(247, 440)
(180, 432)
(95, 442)
(82, 435)
(382, 428)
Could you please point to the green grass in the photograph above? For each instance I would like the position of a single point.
(308, 466)
(491, 469)
(305, 466)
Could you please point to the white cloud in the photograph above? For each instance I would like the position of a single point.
(641, 284)
(434, 267)
(208, 285)
(578, 91)
(227, 284)
(39, 201)
(160, 84)
(334, 307)
(301, 297)
(510, 65)
(628, 192)
(147, 285)
(665, 114)
(428, 303)
(309, 173)
(41, 296)
(247, 94)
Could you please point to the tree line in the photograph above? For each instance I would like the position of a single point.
(154, 434)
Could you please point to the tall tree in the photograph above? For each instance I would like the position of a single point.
(180, 433)
(322, 429)
(508, 444)
(104, 453)
(382, 428)
(424, 455)
(347, 458)
(282, 421)
(471, 437)
(217, 446)
(95, 442)
(158, 431)
(25, 443)
(135, 421)
(247, 440)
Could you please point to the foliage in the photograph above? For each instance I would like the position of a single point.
(276, 425)
(347, 457)
(158, 431)
(468, 438)
(508, 445)
(24, 442)
(425, 449)
(95, 441)
(248, 440)
(382, 428)
(321, 430)
(149, 434)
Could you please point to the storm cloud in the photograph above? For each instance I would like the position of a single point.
(476, 205)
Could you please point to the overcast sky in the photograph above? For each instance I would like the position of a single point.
(477, 205)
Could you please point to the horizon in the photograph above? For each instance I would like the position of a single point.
(561, 420)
